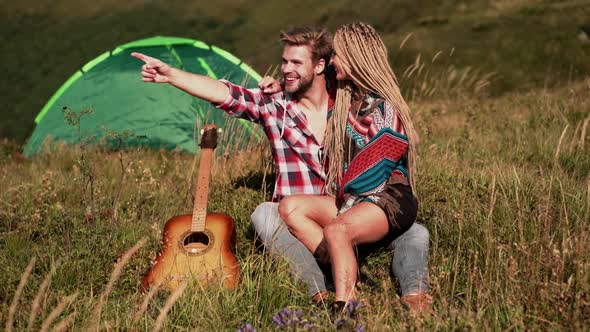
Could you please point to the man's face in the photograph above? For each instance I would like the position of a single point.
(297, 68)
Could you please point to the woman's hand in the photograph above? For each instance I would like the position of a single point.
(270, 85)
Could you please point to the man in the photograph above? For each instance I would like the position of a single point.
(294, 121)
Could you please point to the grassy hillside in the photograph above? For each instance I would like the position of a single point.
(513, 44)
(499, 93)
(505, 193)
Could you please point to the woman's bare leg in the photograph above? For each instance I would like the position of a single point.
(306, 215)
(363, 223)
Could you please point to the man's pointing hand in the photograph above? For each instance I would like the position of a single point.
(153, 70)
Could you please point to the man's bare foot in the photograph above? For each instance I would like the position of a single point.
(321, 297)
(417, 302)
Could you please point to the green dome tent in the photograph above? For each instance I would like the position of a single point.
(157, 115)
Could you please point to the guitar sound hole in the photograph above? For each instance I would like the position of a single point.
(196, 242)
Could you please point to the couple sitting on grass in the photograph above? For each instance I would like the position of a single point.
(344, 147)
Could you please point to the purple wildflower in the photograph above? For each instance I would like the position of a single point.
(350, 317)
(288, 319)
(338, 323)
(359, 328)
(353, 308)
(246, 328)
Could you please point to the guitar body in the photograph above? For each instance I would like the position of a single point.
(204, 255)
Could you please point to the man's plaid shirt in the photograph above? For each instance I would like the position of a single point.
(295, 149)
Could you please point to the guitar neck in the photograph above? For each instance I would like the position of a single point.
(202, 191)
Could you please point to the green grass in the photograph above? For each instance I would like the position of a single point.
(504, 190)
(498, 92)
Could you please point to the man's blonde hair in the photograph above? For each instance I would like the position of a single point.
(318, 40)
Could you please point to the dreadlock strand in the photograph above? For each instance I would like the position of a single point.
(336, 135)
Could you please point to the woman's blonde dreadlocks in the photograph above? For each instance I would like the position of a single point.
(360, 45)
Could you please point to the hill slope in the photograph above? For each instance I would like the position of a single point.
(518, 44)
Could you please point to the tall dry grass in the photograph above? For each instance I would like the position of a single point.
(425, 79)
(505, 194)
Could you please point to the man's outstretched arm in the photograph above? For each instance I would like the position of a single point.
(200, 86)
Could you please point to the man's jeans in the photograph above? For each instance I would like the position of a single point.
(410, 258)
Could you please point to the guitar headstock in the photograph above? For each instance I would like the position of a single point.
(209, 137)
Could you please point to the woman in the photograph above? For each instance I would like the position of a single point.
(370, 148)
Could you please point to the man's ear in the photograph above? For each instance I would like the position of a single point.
(320, 67)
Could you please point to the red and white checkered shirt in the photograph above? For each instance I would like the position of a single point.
(295, 149)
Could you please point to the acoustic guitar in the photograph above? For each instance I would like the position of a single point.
(198, 245)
